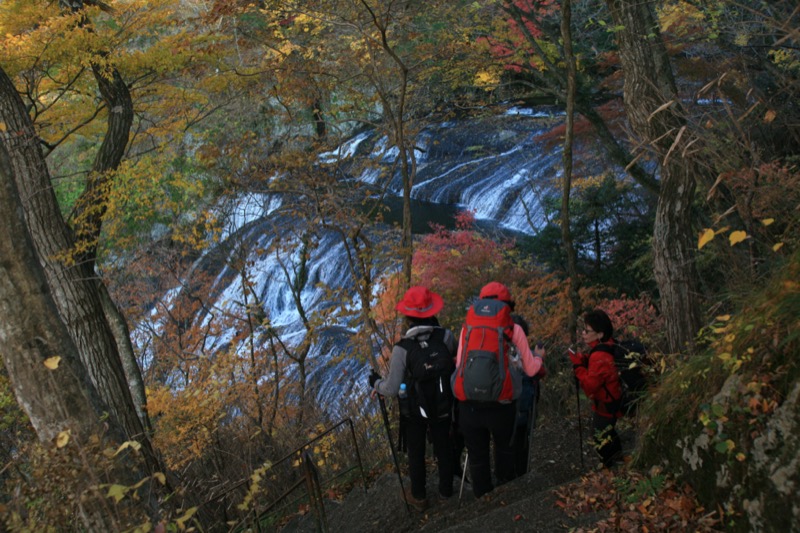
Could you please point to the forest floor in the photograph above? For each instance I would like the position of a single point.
(557, 494)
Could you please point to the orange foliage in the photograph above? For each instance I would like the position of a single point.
(457, 263)
(544, 302)
(185, 422)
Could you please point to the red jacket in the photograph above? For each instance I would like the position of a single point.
(599, 379)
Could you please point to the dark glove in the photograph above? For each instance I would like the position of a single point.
(373, 377)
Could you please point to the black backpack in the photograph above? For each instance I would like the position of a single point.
(630, 358)
(429, 364)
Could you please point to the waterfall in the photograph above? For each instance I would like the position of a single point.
(497, 166)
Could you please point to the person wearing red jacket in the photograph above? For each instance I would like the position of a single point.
(599, 378)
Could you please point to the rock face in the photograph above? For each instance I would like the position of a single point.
(755, 481)
(775, 467)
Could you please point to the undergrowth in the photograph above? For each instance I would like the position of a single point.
(716, 419)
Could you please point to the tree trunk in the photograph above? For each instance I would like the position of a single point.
(92, 205)
(122, 334)
(93, 201)
(58, 397)
(30, 332)
(566, 234)
(649, 85)
(73, 286)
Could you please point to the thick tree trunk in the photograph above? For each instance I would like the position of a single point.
(31, 332)
(74, 287)
(649, 85)
(60, 397)
(49, 380)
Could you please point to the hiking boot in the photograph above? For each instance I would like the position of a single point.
(415, 503)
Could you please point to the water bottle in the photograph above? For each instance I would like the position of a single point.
(402, 397)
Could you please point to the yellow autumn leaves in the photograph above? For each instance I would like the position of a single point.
(735, 237)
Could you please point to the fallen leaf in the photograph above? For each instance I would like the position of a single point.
(52, 362)
(182, 520)
(63, 438)
(129, 444)
(117, 492)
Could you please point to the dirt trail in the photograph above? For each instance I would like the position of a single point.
(525, 504)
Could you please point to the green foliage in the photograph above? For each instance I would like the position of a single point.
(636, 490)
(611, 230)
(151, 193)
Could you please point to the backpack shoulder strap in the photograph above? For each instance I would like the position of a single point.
(602, 347)
(437, 334)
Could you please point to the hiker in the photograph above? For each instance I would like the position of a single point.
(599, 378)
(484, 384)
(423, 360)
(526, 405)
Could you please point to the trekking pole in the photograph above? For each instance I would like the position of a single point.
(580, 424)
(394, 453)
(463, 476)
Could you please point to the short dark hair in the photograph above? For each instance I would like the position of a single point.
(412, 321)
(598, 320)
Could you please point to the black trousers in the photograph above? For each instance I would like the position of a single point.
(416, 436)
(528, 398)
(606, 440)
(482, 425)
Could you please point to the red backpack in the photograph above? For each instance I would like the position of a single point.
(483, 374)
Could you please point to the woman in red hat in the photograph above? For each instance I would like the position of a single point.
(423, 361)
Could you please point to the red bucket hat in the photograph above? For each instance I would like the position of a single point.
(419, 302)
(496, 290)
